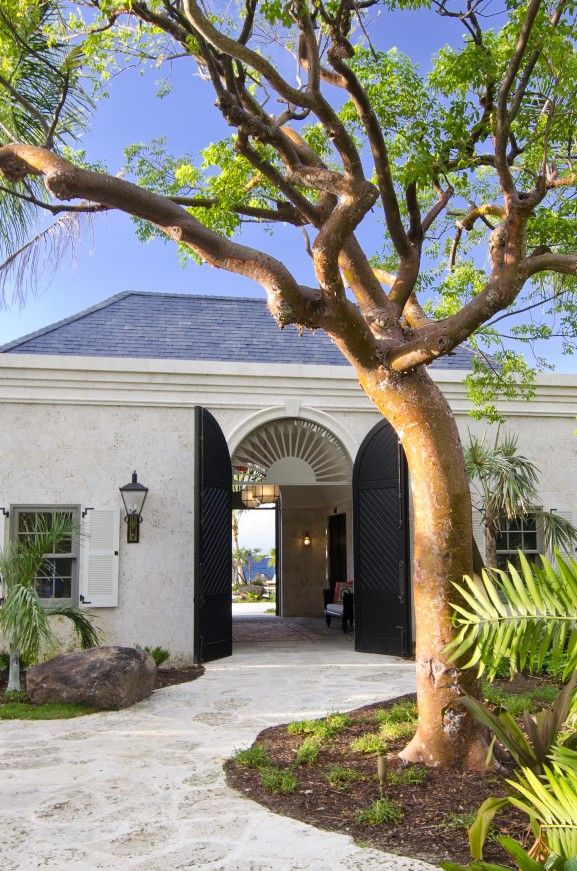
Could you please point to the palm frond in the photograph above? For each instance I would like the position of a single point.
(24, 619)
(523, 617)
(558, 532)
(24, 622)
(552, 801)
(88, 635)
(39, 255)
(42, 98)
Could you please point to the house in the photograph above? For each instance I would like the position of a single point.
(199, 394)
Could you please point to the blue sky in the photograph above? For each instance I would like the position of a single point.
(109, 258)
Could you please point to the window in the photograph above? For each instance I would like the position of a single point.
(518, 533)
(58, 578)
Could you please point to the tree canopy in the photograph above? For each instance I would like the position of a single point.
(332, 129)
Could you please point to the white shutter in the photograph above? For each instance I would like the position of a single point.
(99, 559)
(479, 532)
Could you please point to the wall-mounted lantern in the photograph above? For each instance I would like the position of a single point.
(307, 540)
(134, 497)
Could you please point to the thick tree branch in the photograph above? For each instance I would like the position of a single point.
(288, 301)
(379, 153)
(565, 264)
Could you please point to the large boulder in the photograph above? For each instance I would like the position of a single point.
(102, 677)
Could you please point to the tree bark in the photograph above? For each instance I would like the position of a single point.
(14, 672)
(442, 553)
(490, 541)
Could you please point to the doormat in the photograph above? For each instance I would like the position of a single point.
(271, 630)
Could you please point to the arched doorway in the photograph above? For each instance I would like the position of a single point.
(383, 621)
(313, 470)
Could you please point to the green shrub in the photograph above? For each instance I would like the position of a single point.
(384, 810)
(338, 776)
(253, 757)
(4, 660)
(370, 742)
(159, 654)
(275, 779)
(309, 750)
(412, 775)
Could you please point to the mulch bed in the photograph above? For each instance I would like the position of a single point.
(436, 812)
(165, 677)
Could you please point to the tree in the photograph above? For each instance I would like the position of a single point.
(349, 134)
(244, 560)
(504, 486)
(24, 619)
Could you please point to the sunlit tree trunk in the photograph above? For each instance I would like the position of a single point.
(426, 427)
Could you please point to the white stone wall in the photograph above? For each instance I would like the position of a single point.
(73, 429)
(81, 455)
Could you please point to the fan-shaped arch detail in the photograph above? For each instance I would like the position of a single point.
(291, 450)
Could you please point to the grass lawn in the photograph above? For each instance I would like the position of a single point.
(51, 711)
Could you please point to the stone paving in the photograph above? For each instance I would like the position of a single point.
(144, 788)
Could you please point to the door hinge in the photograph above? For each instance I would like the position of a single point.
(402, 591)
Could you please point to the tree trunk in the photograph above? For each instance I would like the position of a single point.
(490, 541)
(14, 672)
(442, 553)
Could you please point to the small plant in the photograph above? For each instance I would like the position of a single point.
(458, 821)
(302, 727)
(309, 750)
(335, 723)
(253, 596)
(401, 712)
(338, 776)
(253, 757)
(517, 703)
(370, 742)
(275, 779)
(159, 654)
(412, 775)
(393, 731)
(4, 660)
(384, 810)
(16, 695)
(327, 728)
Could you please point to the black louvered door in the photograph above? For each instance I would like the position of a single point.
(382, 581)
(213, 540)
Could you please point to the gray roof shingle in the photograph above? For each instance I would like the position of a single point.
(189, 327)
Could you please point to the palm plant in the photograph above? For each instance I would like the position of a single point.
(24, 619)
(526, 617)
(504, 484)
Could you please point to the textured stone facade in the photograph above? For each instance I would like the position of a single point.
(72, 430)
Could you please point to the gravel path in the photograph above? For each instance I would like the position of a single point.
(143, 788)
